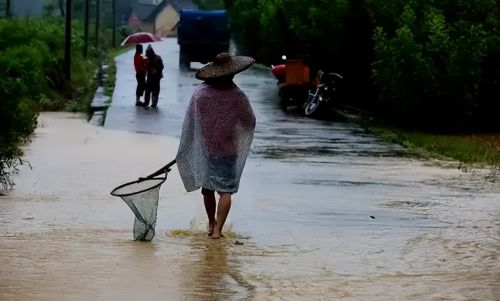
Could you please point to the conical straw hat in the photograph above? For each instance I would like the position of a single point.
(224, 64)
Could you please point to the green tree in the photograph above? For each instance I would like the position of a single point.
(244, 17)
(210, 4)
(31, 79)
(430, 58)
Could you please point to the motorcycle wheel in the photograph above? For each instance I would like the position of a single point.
(312, 104)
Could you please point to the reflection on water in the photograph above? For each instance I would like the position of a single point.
(215, 274)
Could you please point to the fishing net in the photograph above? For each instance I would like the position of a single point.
(142, 197)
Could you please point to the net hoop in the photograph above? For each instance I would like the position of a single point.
(159, 180)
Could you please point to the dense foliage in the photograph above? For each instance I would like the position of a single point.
(426, 63)
(209, 4)
(31, 79)
(434, 59)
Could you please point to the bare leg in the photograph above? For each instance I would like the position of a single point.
(222, 212)
(209, 200)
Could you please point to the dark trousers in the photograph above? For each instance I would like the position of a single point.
(141, 83)
(152, 91)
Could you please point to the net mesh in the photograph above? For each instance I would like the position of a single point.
(142, 198)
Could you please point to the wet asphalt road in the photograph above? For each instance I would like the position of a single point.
(303, 175)
(279, 134)
(334, 198)
(295, 161)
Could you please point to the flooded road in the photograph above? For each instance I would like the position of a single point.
(324, 212)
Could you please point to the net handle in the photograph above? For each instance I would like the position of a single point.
(165, 169)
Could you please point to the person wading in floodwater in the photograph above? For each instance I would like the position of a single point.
(218, 129)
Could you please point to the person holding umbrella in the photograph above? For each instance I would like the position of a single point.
(216, 136)
(140, 74)
(154, 75)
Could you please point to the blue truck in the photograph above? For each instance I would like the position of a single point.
(201, 35)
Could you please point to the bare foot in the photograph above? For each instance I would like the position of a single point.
(211, 226)
(216, 234)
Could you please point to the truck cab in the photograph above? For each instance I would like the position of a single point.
(201, 35)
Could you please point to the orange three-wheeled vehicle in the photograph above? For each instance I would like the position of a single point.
(293, 82)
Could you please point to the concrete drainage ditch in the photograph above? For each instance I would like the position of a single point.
(101, 101)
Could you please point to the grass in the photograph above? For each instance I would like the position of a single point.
(109, 82)
(471, 150)
(481, 149)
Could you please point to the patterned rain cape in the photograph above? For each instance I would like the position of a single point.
(217, 132)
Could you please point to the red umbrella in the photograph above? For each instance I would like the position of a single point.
(140, 37)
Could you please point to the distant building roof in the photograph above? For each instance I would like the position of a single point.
(148, 11)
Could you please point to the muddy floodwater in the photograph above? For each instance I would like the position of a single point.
(324, 212)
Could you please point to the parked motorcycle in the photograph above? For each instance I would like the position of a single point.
(323, 93)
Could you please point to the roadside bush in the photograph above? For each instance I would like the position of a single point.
(242, 13)
(430, 62)
(427, 64)
(17, 122)
(22, 69)
(210, 4)
(269, 28)
(32, 79)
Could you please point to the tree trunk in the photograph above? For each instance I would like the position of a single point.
(61, 7)
(97, 19)
(67, 42)
(113, 3)
(86, 29)
(7, 9)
